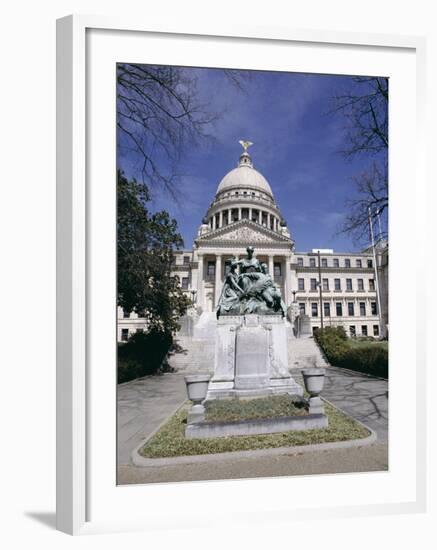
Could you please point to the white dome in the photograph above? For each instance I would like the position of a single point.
(244, 176)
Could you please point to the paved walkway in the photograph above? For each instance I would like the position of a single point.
(363, 397)
(144, 404)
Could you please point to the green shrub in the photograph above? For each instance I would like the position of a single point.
(142, 354)
(333, 341)
(370, 359)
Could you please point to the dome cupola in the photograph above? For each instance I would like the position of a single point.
(244, 194)
(244, 176)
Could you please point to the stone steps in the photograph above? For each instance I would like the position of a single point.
(197, 354)
(194, 356)
(304, 352)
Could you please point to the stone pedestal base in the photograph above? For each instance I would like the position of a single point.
(251, 358)
(316, 406)
(196, 414)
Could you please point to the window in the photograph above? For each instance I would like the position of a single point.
(374, 308)
(302, 308)
(324, 262)
(360, 284)
(126, 314)
(186, 260)
(371, 284)
(312, 262)
(350, 309)
(314, 309)
(359, 263)
(325, 284)
(375, 330)
(313, 284)
(277, 269)
(124, 334)
(348, 284)
(364, 330)
(185, 283)
(301, 284)
(363, 309)
(211, 268)
(300, 262)
(369, 263)
(140, 330)
(347, 262)
(327, 309)
(352, 331)
(336, 262)
(339, 309)
(337, 284)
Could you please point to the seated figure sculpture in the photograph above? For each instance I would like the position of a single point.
(253, 291)
(229, 301)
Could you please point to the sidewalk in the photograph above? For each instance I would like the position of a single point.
(144, 404)
(364, 397)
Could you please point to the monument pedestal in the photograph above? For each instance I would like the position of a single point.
(251, 358)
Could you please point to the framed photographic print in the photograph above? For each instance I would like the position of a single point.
(228, 201)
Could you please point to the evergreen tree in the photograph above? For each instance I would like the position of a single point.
(145, 253)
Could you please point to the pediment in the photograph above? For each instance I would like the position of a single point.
(244, 232)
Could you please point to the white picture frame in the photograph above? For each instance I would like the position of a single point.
(74, 354)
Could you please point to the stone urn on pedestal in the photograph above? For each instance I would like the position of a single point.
(314, 380)
(197, 388)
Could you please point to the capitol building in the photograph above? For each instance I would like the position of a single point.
(320, 285)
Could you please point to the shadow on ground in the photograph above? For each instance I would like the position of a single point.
(45, 518)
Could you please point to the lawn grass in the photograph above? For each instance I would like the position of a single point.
(228, 410)
(354, 344)
(170, 440)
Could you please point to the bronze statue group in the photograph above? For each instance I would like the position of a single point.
(252, 290)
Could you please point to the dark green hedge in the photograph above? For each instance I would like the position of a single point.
(142, 354)
(371, 360)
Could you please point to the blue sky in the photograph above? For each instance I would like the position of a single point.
(296, 144)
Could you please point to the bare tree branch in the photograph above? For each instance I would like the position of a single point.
(366, 134)
(372, 192)
(159, 115)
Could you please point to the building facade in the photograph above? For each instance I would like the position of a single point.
(244, 213)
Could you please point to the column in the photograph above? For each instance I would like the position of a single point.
(199, 297)
(260, 217)
(268, 220)
(214, 222)
(271, 266)
(239, 214)
(218, 278)
(221, 219)
(250, 214)
(287, 281)
(229, 216)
